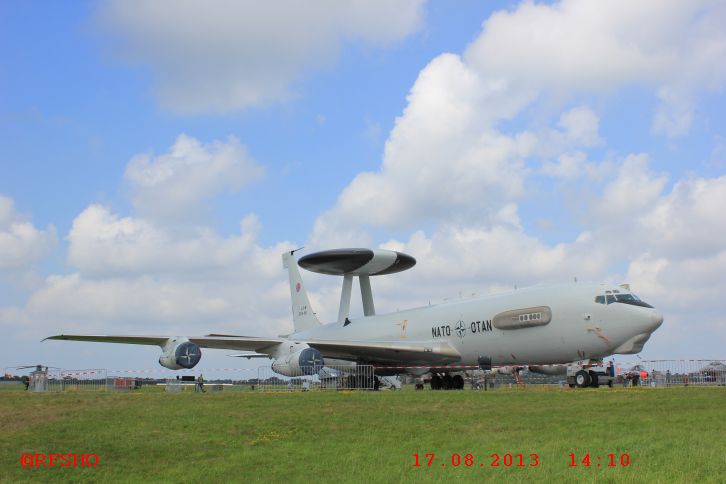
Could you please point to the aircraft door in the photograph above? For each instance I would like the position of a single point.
(601, 309)
(602, 313)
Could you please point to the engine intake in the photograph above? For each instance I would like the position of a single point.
(307, 361)
(184, 354)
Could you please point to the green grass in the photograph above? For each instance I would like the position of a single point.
(671, 435)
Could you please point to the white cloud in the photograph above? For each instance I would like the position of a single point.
(633, 190)
(581, 126)
(135, 274)
(7, 211)
(152, 303)
(592, 46)
(104, 243)
(687, 286)
(636, 215)
(578, 129)
(502, 254)
(173, 185)
(573, 165)
(689, 220)
(223, 56)
(568, 166)
(442, 158)
(21, 243)
(718, 153)
(674, 115)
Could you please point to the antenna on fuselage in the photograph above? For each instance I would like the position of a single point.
(362, 263)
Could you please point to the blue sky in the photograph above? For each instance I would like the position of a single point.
(157, 158)
(69, 90)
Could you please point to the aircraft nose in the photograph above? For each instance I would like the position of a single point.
(656, 319)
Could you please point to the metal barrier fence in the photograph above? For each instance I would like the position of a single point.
(52, 380)
(44, 379)
(360, 377)
(643, 373)
(648, 373)
(665, 373)
(41, 379)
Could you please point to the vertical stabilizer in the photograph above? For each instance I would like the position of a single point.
(302, 313)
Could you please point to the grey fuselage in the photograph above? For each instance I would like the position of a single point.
(579, 328)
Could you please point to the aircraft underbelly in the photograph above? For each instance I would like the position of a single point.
(535, 347)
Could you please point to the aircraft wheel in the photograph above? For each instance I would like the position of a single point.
(582, 379)
(436, 382)
(458, 382)
(593, 380)
(448, 382)
(610, 383)
(572, 385)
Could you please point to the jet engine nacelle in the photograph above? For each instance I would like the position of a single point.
(180, 353)
(305, 361)
(551, 370)
(506, 370)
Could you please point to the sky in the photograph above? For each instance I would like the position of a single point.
(158, 158)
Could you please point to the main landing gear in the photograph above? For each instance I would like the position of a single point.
(447, 382)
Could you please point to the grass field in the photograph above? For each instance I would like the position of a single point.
(670, 435)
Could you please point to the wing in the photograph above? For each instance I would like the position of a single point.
(389, 352)
(378, 352)
(247, 343)
(129, 340)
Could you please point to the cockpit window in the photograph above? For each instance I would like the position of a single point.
(631, 299)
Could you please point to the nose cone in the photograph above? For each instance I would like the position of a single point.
(656, 320)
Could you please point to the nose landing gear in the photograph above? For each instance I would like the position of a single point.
(590, 375)
(582, 379)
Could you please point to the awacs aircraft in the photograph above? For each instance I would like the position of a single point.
(535, 326)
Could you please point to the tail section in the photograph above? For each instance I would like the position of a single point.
(302, 313)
